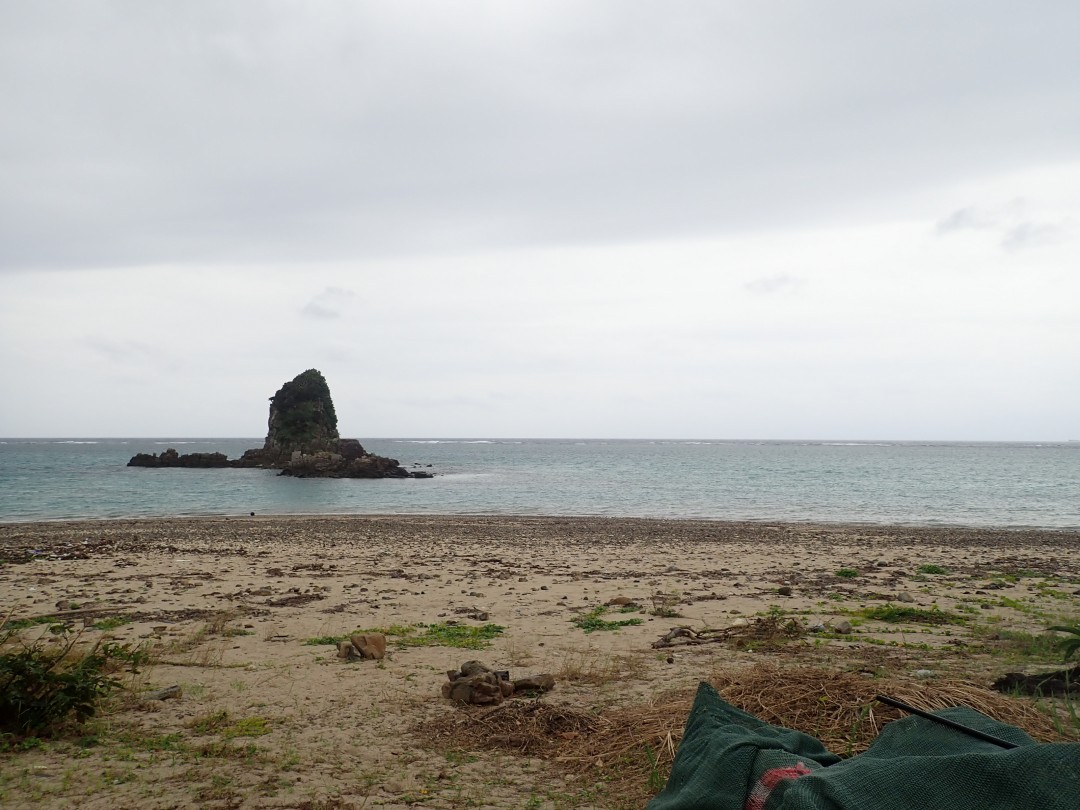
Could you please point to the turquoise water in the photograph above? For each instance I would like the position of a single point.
(934, 483)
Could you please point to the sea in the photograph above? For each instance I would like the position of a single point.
(1014, 484)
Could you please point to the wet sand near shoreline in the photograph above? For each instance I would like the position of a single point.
(228, 608)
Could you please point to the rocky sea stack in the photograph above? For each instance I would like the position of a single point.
(302, 440)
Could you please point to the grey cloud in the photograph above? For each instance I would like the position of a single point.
(248, 132)
(964, 219)
(328, 304)
(1034, 234)
(1011, 224)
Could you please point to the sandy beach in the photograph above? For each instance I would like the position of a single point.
(228, 610)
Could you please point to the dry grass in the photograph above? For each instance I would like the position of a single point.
(631, 749)
(596, 668)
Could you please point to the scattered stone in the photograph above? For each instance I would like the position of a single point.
(620, 601)
(842, 627)
(346, 650)
(370, 645)
(534, 683)
(784, 590)
(168, 693)
(472, 668)
(904, 596)
(924, 673)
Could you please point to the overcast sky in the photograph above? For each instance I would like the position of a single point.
(544, 219)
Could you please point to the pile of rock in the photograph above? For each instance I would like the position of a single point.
(361, 646)
(477, 684)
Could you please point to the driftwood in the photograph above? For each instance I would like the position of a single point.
(760, 628)
(685, 637)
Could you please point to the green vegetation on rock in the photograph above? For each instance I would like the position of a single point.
(302, 411)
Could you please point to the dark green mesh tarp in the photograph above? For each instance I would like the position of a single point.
(730, 760)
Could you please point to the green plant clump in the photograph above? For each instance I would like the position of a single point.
(1068, 646)
(591, 622)
(930, 568)
(111, 622)
(897, 614)
(847, 573)
(440, 634)
(42, 686)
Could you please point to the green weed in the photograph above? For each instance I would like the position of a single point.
(591, 622)
(111, 622)
(33, 621)
(452, 635)
(43, 686)
(441, 634)
(930, 568)
(897, 614)
(1067, 646)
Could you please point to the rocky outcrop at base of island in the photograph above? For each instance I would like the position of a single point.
(321, 464)
(170, 458)
(302, 441)
(347, 459)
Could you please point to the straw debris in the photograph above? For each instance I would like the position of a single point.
(631, 749)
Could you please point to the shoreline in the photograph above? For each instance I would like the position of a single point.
(237, 611)
(301, 516)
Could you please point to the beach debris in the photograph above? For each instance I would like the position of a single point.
(472, 613)
(363, 646)
(168, 693)
(534, 683)
(1061, 683)
(475, 683)
(739, 633)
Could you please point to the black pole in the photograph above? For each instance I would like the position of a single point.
(982, 735)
